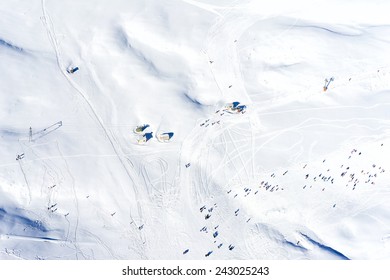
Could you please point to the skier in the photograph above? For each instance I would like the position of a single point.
(208, 254)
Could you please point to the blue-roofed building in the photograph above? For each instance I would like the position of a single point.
(165, 137)
(145, 138)
(140, 129)
(148, 136)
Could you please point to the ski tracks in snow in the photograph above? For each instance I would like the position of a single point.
(113, 142)
(26, 181)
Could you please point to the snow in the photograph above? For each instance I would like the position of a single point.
(85, 189)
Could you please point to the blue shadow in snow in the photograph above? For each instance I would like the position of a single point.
(327, 30)
(326, 248)
(295, 246)
(12, 219)
(10, 46)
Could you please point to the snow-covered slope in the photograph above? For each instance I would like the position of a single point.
(302, 174)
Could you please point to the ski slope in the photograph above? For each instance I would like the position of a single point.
(302, 173)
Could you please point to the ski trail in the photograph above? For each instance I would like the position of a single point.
(210, 175)
(226, 66)
(76, 202)
(238, 153)
(101, 243)
(203, 6)
(27, 184)
(253, 150)
(58, 177)
(100, 87)
(273, 135)
(17, 256)
(51, 35)
(162, 180)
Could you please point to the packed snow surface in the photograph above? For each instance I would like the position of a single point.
(299, 173)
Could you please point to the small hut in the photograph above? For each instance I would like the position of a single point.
(165, 137)
(145, 138)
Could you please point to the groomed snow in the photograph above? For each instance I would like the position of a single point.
(300, 174)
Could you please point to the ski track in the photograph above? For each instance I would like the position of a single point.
(158, 192)
(132, 177)
(203, 6)
(239, 154)
(220, 46)
(228, 52)
(76, 202)
(101, 243)
(57, 178)
(280, 132)
(76, 87)
(27, 184)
